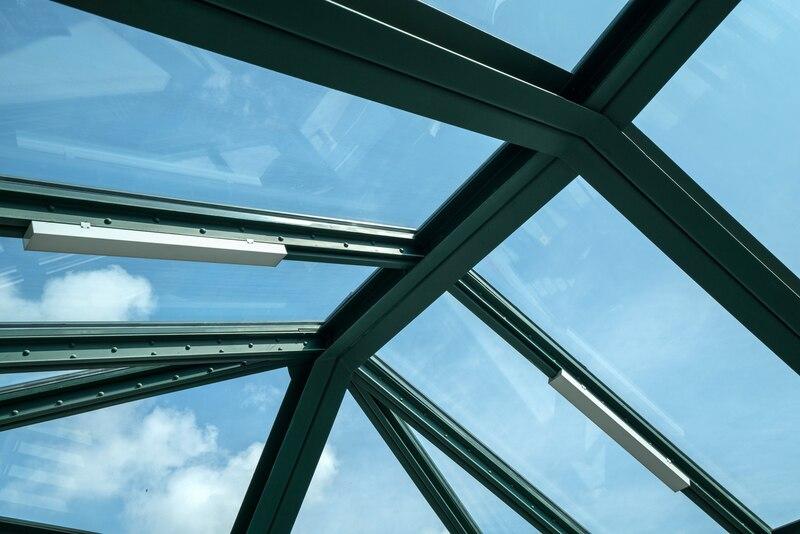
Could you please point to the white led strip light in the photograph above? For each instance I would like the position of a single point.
(84, 238)
(577, 394)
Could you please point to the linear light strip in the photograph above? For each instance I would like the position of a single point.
(593, 408)
(84, 238)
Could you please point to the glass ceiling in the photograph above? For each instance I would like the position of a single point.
(559, 32)
(480, 381)
(174, 463)
(728, 118)
(586, 276)
(85, 101)
(92, 102)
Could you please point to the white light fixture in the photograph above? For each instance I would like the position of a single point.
(84, 238)
(577, 394)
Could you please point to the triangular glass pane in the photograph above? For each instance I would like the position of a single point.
(359, 486)
(503, 400)
(489, 513)
(179, 462)
(727, 118)
(92, 102)
(590, 279)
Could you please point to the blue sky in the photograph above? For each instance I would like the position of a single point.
(95, 103)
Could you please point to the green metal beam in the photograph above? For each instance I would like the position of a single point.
(266, 462)
(419, 466)
(546, 354)
(306, 238)
(10, 525)
(66, 395)
(478, 460)
(48, 348)
(789, 528)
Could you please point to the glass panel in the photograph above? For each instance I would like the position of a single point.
(359, 486)
(465, 368)
(174, 463)
(92, 102)
(490, 513)
(606, 293)
(729, 119)
(559, 32)
(43, 286)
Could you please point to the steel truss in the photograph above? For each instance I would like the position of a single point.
(410, 56)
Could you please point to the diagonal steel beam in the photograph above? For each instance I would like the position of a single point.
(63, 396)
(546, 354)
(10, 525)
(419, 466)
(48, 348)
(478, 460)
(306, 238)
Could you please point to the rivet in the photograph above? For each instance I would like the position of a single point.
(305, 343)
(114, 349)
(280, 238)
(153, 353)
(14, 412)
(210, 370)
(244, 363)
(138, 385)
(250, 345)
(73, 356)
(100, 394)
(402, 250)
(175, 377)
(187, 347)
(26, 352)
(156, 220)
(280, 348)
(222, 350)
(59, 402)
(51, 208)
(202, 230)
(345, 245)
(107, 220)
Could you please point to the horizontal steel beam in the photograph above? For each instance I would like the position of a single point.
(49, 348)
(391, 389)
(519, 331)
(306, 238)
(419, 466)
(66, 395)
(10, 525)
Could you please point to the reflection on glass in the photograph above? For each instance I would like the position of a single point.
(359, 486)
(501, 398)
(42, 286)
(559, 32)
(729, 119)
(89, 101)
(490, 513)
(173, 463)
(601, 289)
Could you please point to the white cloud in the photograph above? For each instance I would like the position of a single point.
(109, 294)
(261, 396)
(326, 471)
(168, 472)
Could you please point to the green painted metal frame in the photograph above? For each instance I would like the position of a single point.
(423, 471)
(390, 389)
(470, 80)
(547, 355)
(306, 238)
(89, 347)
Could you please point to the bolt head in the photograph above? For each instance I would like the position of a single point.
(187, 347)
(59, 402)
(138, 385)
(175, 377)
(114, 349)
(26, 352)
(202, 230)
(100, 394)
(250, 345)
(14, 412)
(106, 221)
(73, 356)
